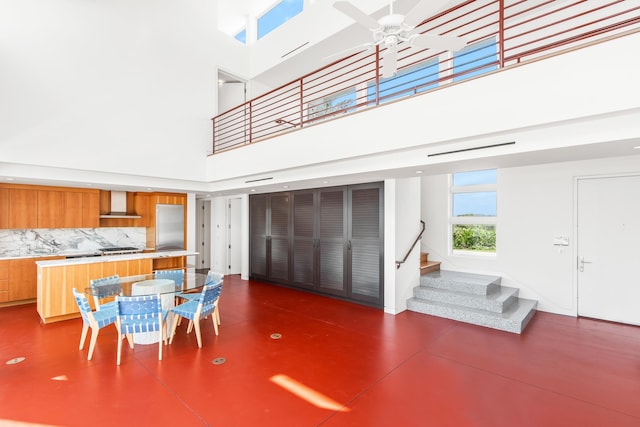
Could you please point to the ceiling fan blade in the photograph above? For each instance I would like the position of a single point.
(357, 15)
(423, 10)
(390, 62)
(436, 42)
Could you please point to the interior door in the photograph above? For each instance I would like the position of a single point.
(608, 234)
(332, 235)
(304, 241)
(233, 237)
(365, 246)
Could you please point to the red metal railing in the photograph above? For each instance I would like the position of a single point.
(500, 33)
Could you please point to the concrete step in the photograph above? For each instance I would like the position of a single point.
(477, 284)
(514, 319)
(496, 301)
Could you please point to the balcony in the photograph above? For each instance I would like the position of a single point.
(500, 34)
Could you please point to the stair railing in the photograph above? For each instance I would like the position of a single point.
(415, 242)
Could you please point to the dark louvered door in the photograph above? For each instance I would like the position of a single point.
(258, 221)
(304, 241)
(331, 243)
(279, 237)
(365, 243)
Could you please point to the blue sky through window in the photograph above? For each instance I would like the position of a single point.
(489, 176)
(278, 15)
(242, 36)
(480, 203)
(479, 55)
(402, 82)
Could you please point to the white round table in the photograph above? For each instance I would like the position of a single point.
(166, 289)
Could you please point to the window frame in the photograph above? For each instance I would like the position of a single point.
(471, 220)
(259, 33)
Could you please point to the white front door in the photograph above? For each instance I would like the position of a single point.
(609, 248)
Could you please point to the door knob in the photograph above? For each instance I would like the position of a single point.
(581, 263)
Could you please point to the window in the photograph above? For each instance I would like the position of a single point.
(278, 15)
(406, 83)
(474, 211)
(241, 36)
(476, 59)
(337, 102)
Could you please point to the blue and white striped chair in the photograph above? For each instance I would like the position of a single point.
(176, 275)
(92, 319)
(196, 310)
(212, 278)
(105, 287)
(142, 313)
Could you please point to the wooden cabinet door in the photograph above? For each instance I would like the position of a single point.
(51, 212)
(4, 208)
(23, 208)
(72, 210)
(22, 279)
(258, 232)
(90, 210)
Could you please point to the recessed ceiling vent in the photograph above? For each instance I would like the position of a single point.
(119, 206)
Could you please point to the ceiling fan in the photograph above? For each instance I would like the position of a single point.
(392, 29)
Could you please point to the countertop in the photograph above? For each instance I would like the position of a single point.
(112, 258)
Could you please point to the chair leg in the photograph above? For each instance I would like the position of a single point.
(215, 323)
(119, 348)
(83, 336)
(196, 324)
(130, 340)
(176, 320)
(190, 326)
(92, 343)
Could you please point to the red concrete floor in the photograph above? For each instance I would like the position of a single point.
(336, 364)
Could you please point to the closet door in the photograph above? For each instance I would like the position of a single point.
(258, 221)
(365, 243)
(304, 240)
(278, 254)
(332, 237)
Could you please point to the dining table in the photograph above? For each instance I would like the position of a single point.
(167, 288)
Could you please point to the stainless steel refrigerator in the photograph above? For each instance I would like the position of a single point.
(169, 227)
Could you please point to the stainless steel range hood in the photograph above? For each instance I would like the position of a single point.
(119, 206)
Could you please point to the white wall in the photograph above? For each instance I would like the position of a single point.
(402, 226)
(535, 203)
(116, 86)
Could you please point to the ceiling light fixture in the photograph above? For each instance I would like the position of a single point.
(419, 171)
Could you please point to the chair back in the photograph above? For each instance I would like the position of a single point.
(105, 287)
(213, 278)
(176, 275)
(142, 313)
(83, 305)
(209, 298)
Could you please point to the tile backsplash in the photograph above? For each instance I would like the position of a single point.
(67, 241)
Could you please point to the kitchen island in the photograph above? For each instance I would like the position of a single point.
(56, 278)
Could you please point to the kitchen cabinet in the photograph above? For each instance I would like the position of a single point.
(55, 299)
(51, 209)
(4, 208)
(22, 278)
(90, 209)
(4, 281)
(23, 208)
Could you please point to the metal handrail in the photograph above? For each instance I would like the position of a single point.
(415, 242)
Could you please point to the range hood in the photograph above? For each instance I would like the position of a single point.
(118, 207)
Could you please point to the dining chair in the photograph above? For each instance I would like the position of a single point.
(142, 313)
(92, 319)
(212, 278)
(105, 287)
(196, 310)
(176, 275)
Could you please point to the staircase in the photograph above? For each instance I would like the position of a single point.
(427, 266)
(471, 298)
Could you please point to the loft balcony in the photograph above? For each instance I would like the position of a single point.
(500, 34)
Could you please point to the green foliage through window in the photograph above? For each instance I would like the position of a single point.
(474, 237)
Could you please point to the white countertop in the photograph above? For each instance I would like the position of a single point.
(112, 258)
